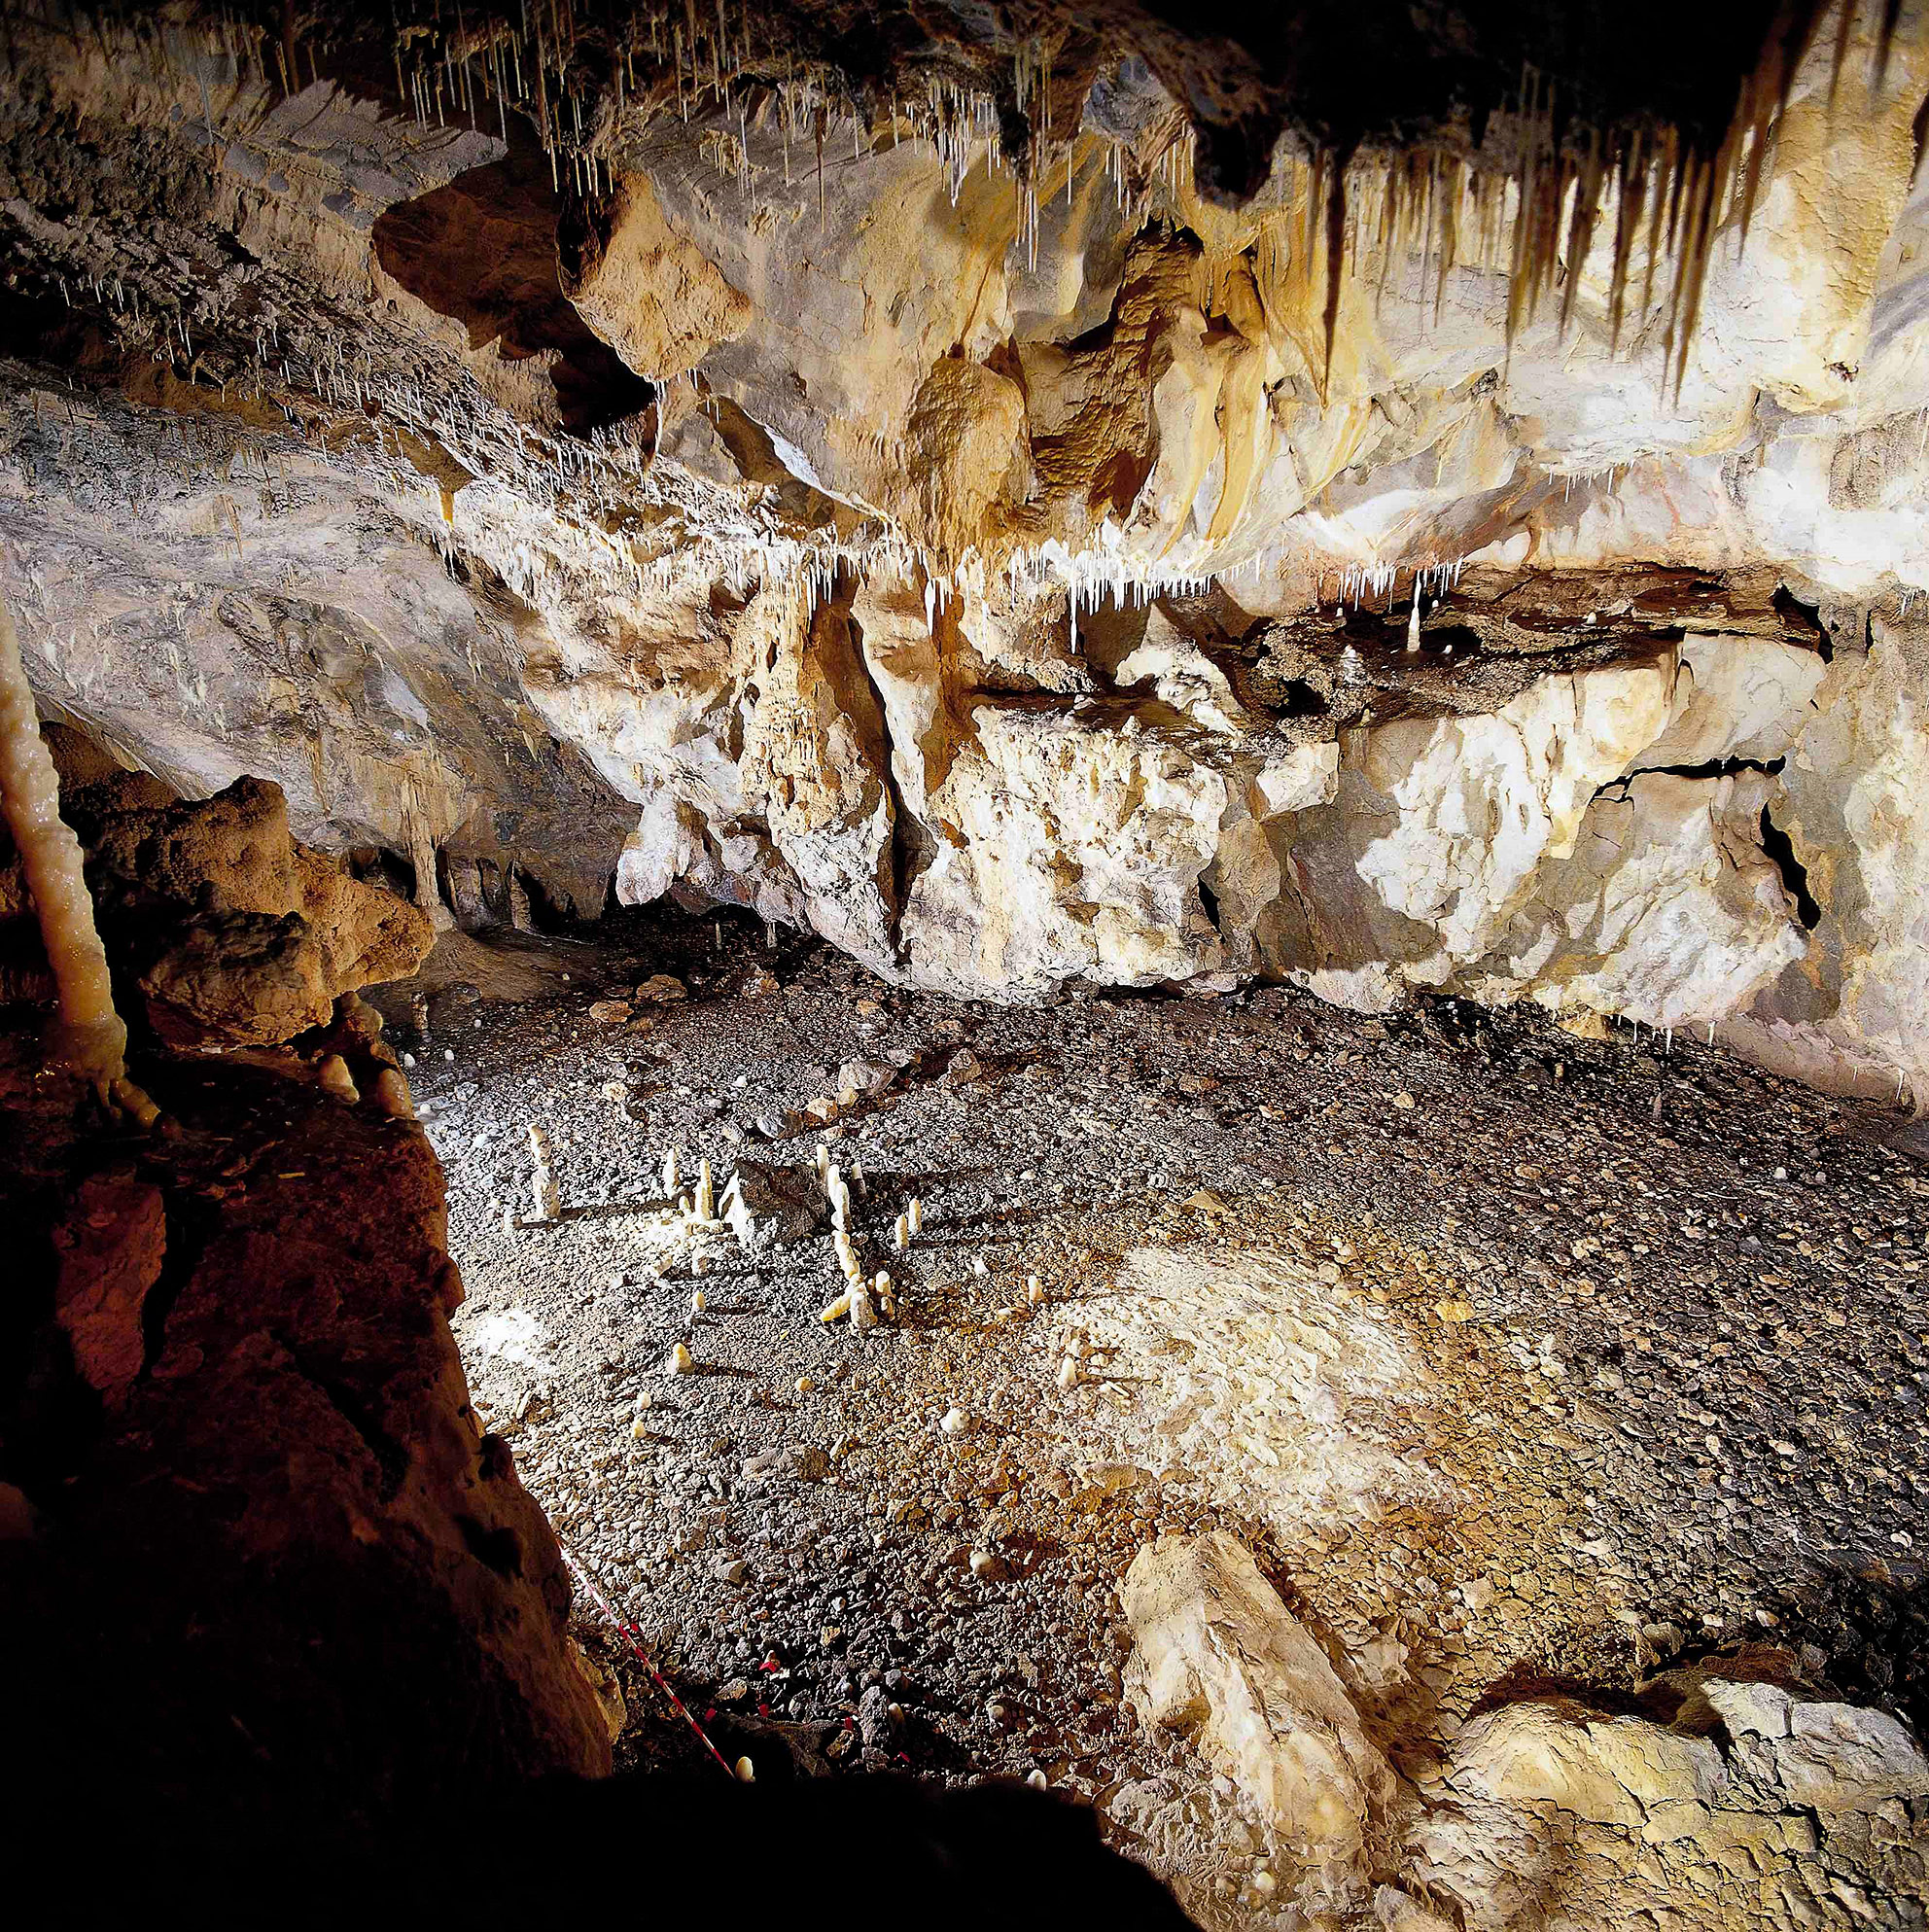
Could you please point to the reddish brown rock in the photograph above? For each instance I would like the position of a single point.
(322, 1589)
(110, 1248)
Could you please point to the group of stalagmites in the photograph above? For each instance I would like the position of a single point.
(867, 1297)
(1737, 1797)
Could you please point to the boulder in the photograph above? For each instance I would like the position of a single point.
(1218, 1658)
(767, 1194)
(236, 931)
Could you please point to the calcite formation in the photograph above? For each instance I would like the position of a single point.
(236, 932)
(1101, 503)
(1719, 1803)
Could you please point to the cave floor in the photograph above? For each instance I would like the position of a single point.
(1520, 1359)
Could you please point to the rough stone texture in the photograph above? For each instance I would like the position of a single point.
(1543, 1812)
(322, 1587)
(1546, 1814)
(111, 1248)
(236, 931)
(1218, 1656)
(791, 630)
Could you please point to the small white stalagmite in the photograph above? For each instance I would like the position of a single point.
(546, 1198)
(863, 1314)
(93, 1040)
(901, 1234)
(706, 1191)
(671, 1178)
(914, 1216)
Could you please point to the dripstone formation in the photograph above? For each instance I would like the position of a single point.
(1341, 509)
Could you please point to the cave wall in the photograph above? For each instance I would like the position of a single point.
(1005, 572)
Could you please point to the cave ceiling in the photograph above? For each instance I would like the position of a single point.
(1409, 498)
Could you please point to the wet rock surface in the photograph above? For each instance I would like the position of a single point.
(1519, 1360)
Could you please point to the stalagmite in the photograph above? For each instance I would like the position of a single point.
(914, 1216)
(863, 1314)
(670, 1174)
(391, 1095)
(545, 1197)
(706, 1192)
(332, 1077)
(92, 1041)
(900, 1233)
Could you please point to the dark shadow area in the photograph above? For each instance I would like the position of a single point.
(690, 1849)
(1777, 844)
(483, 250)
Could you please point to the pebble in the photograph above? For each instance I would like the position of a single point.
(1590, 1428)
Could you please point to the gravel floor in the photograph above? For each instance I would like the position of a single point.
(1519, 1358)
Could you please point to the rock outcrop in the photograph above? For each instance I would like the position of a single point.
(986, 508)
(1740, 1799)
(234, 931)
(1218, 1657)
(273, 1574)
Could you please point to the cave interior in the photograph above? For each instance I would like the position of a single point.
(966, 959)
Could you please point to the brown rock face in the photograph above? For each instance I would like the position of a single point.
(111, 1248)
(320, 1584)
(238, 933)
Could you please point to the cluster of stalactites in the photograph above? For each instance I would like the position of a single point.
(1536, 213)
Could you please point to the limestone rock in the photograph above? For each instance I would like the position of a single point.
(1218, 1658)
(249, 977)
(1825, 1757)
(1551, 1813)
(236, 928)
(1019, 588)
